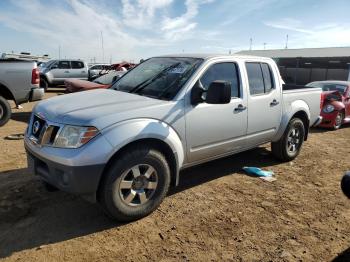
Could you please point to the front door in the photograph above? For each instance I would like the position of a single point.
(264, 103)
(60, 71)
(213, 130)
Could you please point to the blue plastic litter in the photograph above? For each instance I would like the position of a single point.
(257, 172)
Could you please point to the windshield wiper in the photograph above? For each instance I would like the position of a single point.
(149, 81)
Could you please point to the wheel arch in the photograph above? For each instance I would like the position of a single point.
(157, 144)
(298, 109)
(151, 132)
(6, 93)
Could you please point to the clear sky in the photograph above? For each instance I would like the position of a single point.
(134, 29)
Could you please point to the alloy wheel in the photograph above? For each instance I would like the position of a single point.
(138, 184)
(294, 139)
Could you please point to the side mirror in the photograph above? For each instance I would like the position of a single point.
(219, 92)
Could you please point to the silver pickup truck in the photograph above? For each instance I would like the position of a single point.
(19, 81)
(125, 146)
(55, 72)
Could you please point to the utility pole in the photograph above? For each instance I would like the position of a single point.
(264, 46)
(103, 50)
(250, 43)
(59, 52)
(286, 42)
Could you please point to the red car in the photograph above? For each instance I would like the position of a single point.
(104, 81)
(335, 103)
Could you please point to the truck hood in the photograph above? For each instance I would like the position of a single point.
(99, 108)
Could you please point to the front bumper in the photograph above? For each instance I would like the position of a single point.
(328, 119)
(36, 94)
(81, 180)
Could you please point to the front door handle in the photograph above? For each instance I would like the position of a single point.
(240, 107)
(66, 71)
(274, 103)
(83, 71)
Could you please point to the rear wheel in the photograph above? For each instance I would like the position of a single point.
(338, 120)
(289, 145)
(135, 184)
(5, 111)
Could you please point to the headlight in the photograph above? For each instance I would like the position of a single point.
(328, 109)
(75, 136)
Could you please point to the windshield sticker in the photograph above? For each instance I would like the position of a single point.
(180, 69)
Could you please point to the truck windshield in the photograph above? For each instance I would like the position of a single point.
(160, 77)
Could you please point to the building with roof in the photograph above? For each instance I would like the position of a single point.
(301, 66)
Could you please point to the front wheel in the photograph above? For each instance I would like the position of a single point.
(338, 120)
(5, 111)
(289, 145)
(136, 184)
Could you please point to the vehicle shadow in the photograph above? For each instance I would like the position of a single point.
(343, 257)
(194, 176)
(31, 217)
(316, 130)
(21, 116)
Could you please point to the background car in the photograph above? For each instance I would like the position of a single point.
(55, 72)
(335, 102)
(96, 69)
(104, 81)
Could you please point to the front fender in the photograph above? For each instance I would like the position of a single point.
(123, 133)
(294, 108)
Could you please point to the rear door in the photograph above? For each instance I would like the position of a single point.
(264, 102)
(78, 70)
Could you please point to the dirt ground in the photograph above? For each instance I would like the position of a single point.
(216, 214)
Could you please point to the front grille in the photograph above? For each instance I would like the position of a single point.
(38, 125)
(41, 132)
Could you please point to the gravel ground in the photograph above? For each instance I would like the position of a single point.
(216, 214)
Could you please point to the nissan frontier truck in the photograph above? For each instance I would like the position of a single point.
(125, 146)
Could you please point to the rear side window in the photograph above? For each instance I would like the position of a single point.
(77, 64)
(225, 72)
(260, 78)
(63, 65)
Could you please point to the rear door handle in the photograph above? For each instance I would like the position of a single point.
(240, 107)
(66, 71)
(83, 71)
(274, 103)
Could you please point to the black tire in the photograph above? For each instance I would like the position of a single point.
(338, 121)
(283, 148)
(44, 84)
(5, 111)
(345, 184)
(111, 195)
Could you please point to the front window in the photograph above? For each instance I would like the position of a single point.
(160, 77)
